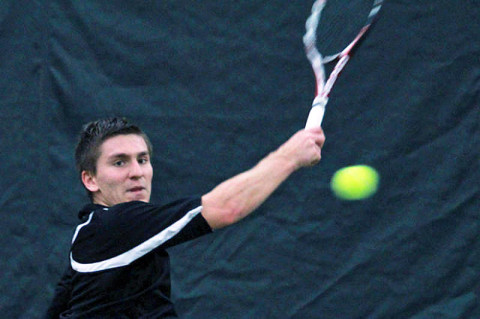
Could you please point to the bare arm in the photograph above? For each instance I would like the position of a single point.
(240, 195)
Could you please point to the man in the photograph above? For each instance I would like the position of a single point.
(119, 267)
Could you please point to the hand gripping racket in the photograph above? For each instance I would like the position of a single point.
(336, 29)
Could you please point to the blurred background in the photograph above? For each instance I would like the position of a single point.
(219, 84)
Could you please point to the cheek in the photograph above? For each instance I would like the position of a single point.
(149, 181)
(149, 173)
(112, 180)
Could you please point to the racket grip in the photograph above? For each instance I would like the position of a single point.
(315, 116)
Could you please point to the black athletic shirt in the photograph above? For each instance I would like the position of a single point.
(119, 266)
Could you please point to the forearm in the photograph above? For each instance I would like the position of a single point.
(238, 196)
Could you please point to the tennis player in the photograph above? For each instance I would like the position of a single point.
(119, 266)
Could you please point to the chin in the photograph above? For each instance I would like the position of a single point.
(139, 198)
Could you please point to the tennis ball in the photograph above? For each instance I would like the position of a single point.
(355, 182)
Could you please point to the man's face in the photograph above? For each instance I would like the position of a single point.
(124, 172)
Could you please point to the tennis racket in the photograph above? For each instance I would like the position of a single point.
(340, 23)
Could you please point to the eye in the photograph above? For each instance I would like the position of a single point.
(143, 160)
(119, 163)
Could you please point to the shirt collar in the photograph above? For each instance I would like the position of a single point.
(87, 209)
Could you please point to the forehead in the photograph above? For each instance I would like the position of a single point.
(127, 144)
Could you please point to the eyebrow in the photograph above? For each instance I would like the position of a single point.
(124, 155)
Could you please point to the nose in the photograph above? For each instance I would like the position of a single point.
(135, 170)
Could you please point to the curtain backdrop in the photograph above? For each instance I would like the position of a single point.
(217, 85)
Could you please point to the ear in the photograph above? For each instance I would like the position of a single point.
(88, 179)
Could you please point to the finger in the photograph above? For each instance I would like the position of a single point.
(314, 129)
(315, 160)
(316, 156)
(320, 139)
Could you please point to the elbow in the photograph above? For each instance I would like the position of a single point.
(231, 214)
(219, 215)
(228, 215)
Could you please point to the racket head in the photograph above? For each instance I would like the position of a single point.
(340, 22)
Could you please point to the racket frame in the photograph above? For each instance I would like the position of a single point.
(317, 61)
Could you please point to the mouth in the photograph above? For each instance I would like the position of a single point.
(136, 189)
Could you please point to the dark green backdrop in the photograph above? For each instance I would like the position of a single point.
(219, 84)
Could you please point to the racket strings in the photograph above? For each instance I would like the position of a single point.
(340, 23)
(340, 30)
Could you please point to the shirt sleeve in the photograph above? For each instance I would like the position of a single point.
(121, 234)
(194, 229)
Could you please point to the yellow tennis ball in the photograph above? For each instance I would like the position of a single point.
(355, 182)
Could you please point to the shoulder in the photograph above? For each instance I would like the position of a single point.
(137, 207)
(142, 214)
(138, 216)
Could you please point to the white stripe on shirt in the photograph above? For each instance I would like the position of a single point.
(139, 251)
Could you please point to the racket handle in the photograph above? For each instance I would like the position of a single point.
(317, 111)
